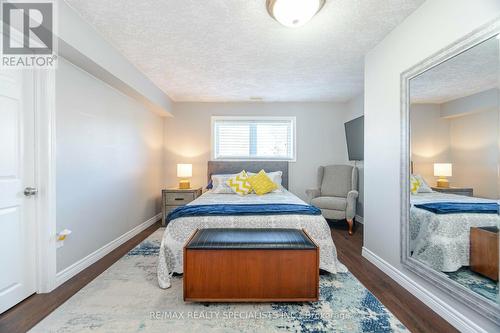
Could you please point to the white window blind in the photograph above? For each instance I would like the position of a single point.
(260, 138)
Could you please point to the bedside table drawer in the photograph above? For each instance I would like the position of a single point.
(168, 209)
(177, 199)
(173, 198)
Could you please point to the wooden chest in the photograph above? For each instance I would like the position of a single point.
(484, 251)
(251, 265)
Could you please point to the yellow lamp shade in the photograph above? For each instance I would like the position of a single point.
(442, 170)
(184, 170)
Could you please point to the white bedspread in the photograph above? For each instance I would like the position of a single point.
(442, 240)
(179, 230)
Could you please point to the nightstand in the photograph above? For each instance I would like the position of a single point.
(467, 191)
(175, 197)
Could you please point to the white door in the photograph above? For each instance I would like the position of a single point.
(17, 224)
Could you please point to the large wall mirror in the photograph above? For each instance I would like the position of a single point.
(451, 170)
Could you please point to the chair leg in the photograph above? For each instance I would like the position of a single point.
(351, 225)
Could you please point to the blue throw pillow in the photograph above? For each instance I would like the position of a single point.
(210, 185)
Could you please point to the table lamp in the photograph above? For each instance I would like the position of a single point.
(442, 170)
(184, 171)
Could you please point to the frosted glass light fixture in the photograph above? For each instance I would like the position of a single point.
(293, 13)
(443, 170)
(184, 171)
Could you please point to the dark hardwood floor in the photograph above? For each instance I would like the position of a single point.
(414, 314)
(32, 310)
(409, 310)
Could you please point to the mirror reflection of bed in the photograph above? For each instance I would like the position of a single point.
(454, 183)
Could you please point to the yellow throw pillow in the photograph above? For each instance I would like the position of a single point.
(261, 183)
(239, 183)
(414, 184)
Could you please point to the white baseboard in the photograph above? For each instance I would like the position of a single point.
(359, 219)
(437, 305)
(80, 265)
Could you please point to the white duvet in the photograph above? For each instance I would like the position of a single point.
(179, 230)
(442, 240)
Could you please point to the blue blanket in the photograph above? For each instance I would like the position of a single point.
(242, 209)
(459, 207)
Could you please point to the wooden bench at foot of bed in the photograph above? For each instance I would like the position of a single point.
(484, 251)
(251, 265)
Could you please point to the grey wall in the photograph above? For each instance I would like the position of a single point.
(433, 26)
(320, 137)
(109, 163)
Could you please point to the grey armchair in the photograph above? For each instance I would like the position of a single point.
(336, 193)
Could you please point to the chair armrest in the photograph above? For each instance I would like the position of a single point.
(350, 211)
(352, 194)
(312, 193)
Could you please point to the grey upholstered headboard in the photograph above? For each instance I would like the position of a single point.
(224, 167)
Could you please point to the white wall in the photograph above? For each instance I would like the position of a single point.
(474, 152)
(83, 45)
(355, 109)
(434, 25)
(109, 163)
(430, 139)
(320, 137)
(474, 141)
(467, 137)
(479, 102)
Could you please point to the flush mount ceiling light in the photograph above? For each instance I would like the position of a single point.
(293, 13)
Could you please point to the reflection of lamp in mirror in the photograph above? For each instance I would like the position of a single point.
(442, 170)
(184, 171)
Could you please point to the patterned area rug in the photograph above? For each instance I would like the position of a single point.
(477, 283)
(126, 298)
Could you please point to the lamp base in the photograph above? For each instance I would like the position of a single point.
(443, 182)
(184, 185)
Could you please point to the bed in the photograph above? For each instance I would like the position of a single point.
(442, 240)
(180, 229)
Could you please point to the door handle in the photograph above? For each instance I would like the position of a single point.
(30, 191)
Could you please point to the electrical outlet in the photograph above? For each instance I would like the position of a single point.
(61, 236)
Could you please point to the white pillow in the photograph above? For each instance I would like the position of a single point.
(219, 185)
(424, 187)
(276, 177)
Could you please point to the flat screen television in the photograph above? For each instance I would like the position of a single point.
(354, 133)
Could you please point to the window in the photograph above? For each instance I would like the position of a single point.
(253, 138)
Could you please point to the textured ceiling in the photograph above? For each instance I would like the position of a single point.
(470, 72)
(231, 50)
